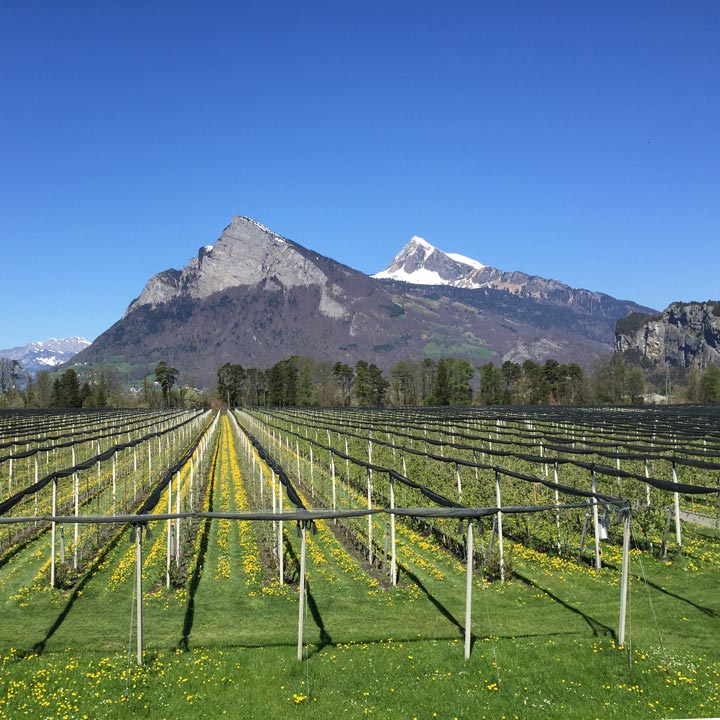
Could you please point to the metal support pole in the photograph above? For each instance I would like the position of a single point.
(468, 589)
(177, 520)
(281, 555)
(676, 500)
(624, 578)
(138, 591)
(596, 524)
(301, 609)
(393, 560)
(334, 492)
(169, 536)
(76, 498)
(499, 526)
(52, 533)
(369, 504)
(557, 502)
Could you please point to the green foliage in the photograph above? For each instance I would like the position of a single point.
(66, 390)
(632, 323)
(710, 384)
(167, 377)
(231, 383)
(370, 385)
(345, 377)
(452, 382)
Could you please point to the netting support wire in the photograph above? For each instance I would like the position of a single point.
(138, 591)
(596, 524)
(624, 578)
(499, 526)
(676, 499)
(468, 589)
(301, 610)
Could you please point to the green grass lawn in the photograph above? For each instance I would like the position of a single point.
(224, 643)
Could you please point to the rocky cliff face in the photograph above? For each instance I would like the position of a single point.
(685, 335)
(246, 253)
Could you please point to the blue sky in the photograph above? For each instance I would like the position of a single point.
(575, 140)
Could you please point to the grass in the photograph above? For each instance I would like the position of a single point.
(225, 644)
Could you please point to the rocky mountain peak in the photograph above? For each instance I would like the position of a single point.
(246, 253)
(421, 263)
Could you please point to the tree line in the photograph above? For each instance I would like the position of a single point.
(302, 380)
(448, 381)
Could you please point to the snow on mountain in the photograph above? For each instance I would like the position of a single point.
(466, 261)
(45, 354)
(421, 263)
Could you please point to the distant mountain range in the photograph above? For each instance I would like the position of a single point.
(45, 354)
(254, 297)
(421, 263)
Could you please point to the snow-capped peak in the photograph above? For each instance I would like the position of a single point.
(417, 240)
(421, 263)
(42, 354)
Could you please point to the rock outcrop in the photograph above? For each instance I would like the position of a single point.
(685, 335)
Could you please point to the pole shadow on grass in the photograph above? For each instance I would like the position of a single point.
(700, 608)
(443, 610)
(596, 626)
(189, 619)
(39, 647)
(325, 638)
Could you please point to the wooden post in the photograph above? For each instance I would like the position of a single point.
(468, 589)
(624, 578)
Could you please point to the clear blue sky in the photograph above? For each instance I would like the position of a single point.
(576, 140)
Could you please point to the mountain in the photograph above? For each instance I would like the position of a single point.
(45, 354)
(684, 335)
(254, 297)
(421, 263)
